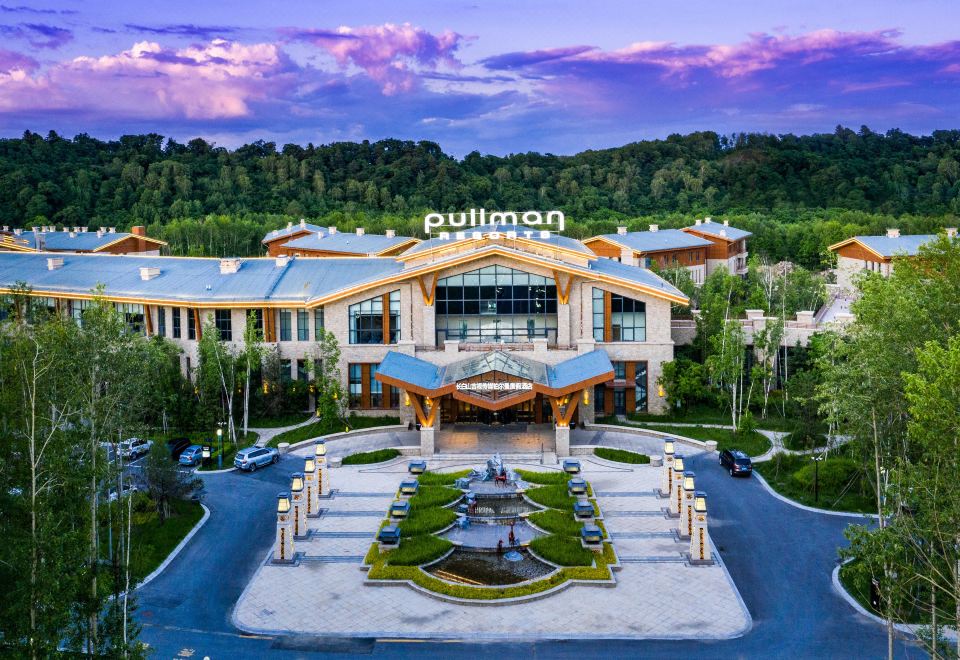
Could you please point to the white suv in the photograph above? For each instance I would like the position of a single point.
(133, 448)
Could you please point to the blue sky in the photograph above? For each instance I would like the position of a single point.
(497, 77)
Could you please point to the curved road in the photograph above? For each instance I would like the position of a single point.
(780, 557)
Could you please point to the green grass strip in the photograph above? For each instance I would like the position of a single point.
(368, 457)
(621, 455)
(544, 478)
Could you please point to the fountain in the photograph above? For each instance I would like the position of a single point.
(491, 533)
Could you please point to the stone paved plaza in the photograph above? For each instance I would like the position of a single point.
(657, 594)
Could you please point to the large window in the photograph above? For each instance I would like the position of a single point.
(627, 319)
(224, 322)
(162, 321)
(302, 371)
(368, 321)
(175, 311)
(284, 325)
(317, 323)
(495, 304)
(376, 388)
(78, 307)
(303, 325)
(132, 316)
(191, 324)
(355, 384)
(285, 375)
(641, 390)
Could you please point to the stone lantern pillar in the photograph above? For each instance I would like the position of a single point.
(299, 498)
(685, 524)
(666, 476)
(313, 492)
(700, 538)
(283, 547)
(323, 479)
(676, 493)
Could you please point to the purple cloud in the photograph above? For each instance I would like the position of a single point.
(183, 30)
(517, 60)
(21, 9)
(39, 35)
(11, 61)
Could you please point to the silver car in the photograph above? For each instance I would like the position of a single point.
(251, 458)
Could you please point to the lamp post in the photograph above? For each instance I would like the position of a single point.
(685, 524)
(310, 477)
(283, 548)
(816, 477)
(676, 493)
(700, 538)
(320, 454)
(299, 505)
(666, 478)
(220, 444)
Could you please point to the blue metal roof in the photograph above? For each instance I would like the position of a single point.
(62, 241)
(902, 245)
(192, 279)
(634, 274)
(653, 241)
(555, 239)
(714, 229)
(578, 369)
(411, 370)
(288, 231)
(344, 242)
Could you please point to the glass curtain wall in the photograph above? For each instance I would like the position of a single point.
(496, 304)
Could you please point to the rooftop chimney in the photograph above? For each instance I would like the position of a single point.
(73, 234)
(76, 229)
(147, 273)
(654, 227)
(35, 230)
(6, 228)
(139, 230)
(708, 220)
(231, 265)
(360, 231)
(289, 225)
(392, 233)
(951, 232)
(65, 229)
(726, 223)
(84, 229)
(332, 230)
(100, 233)
(17, 231)
(282, 261)
(112, 230)
(303, 223)
(698, 222)
(54, 263)
(723, 232)
(103, 230)
(621, 231)
(893, 233)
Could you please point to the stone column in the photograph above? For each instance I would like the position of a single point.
(685, 524)
(283, 546)
(700, 539)
(299, 498)
(429, 336)
(426, 441)
(310, 474)
(676, 493)
(666, 474)
(563, 441)
(563, 324)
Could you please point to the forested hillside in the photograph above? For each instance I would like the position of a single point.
(787, 189)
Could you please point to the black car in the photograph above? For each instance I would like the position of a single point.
(176, 447)
(736, 462)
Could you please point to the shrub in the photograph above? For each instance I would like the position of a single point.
(621, 455)
(834, 474)
(367, 457)
(416, 550)
(556, 522)
(434, 496)
(562, 550)
(424, 521)
(555, 497)
(545, 478)
(441, 478)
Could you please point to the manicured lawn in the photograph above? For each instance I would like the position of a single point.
(416, 550)
(556, 522)
(841, 484)
(554, 497)
(441, 478)
(621, 455)
(753, 443)
(368, 457)
(544, 478)
(434, 496)
(709, 415)
(562, 550)
(424, 521)
(321, 428)
(152, 542)
(285, 419)
(799, 442)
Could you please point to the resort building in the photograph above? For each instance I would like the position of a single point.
(306, 240)
(729, 245)
(665, 248)
(105, 240)
(876, 254)
(497, 326)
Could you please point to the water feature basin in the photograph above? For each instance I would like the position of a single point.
(487, 568)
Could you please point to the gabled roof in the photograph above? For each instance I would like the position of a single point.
(889, 246)
(714, 229)
(556, 240)
(85, 241)
(349, 243)
(656, 241)
(291, 230)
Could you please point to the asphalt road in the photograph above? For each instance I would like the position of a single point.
(780, 557)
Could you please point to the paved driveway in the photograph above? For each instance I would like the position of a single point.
(780, 557)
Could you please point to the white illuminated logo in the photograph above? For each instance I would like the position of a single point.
(494, 387)
(459, 222)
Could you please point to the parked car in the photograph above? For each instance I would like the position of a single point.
(133, 448)
(176, 447)
(736, 462)
(251, 458)
(127, 488)
(192, 455)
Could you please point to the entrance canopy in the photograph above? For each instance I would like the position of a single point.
(496, 379)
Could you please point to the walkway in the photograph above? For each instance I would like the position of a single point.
(268, 434)
(484, 439)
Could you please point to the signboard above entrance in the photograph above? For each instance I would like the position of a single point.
(494, 386)
(540, 222)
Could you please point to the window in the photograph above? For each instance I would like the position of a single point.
(162, 321)
(224, 322)
(176, 322)
(302, 371)
(619, 401)
(285, 375)
(284, 325)
(496, 304)
(317, 323)
(317, 368)
(641, 389)
(619, 370)
(599, 400)
(598, 322)
(367, 319)
(132, 316)
(189, 369)
(78, 308)
(394, 397)
(628, 317)
(376, 388)
(257, 323)
(191, 324)
(355, 384)
(303, 325)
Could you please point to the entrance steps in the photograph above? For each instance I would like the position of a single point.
(527, 458)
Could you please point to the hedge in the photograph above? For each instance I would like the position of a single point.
(441, 478)
(552, 478)
(419, 549)
(554, 497)
(621, 455)
(368, 457)
(562, 550)
(424, 521)
(434, 496)
(556, 522)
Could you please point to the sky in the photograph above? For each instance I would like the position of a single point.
(496, 77)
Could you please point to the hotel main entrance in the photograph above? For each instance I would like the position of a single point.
(533, 411)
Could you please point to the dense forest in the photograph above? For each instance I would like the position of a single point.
(796, 193)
